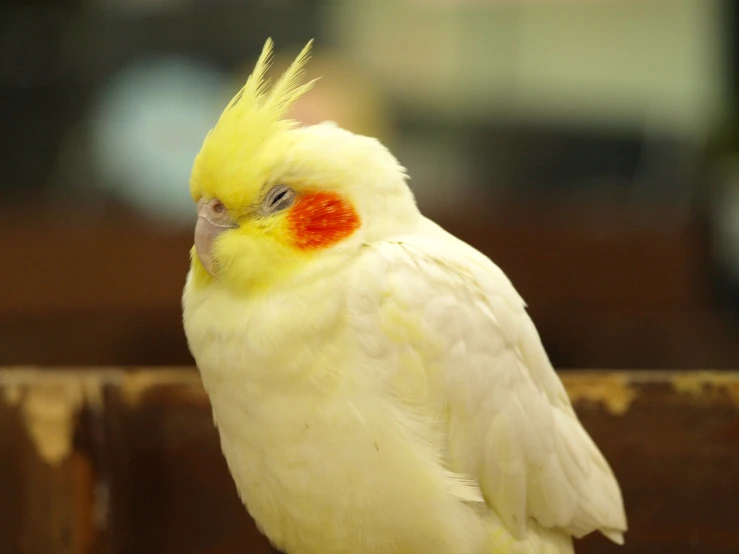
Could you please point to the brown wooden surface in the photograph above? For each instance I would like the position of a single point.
(50, 476)
(140, 467)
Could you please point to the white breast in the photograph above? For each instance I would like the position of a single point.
(323, 459)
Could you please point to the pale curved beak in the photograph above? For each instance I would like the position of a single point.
(207, 229)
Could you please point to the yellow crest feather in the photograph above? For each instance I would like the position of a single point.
(287, 90)
(253, 115)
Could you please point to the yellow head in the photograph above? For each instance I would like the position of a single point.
(275, 199)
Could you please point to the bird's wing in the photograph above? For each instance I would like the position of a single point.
(509, 421)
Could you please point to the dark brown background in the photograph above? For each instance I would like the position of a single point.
(619, 294)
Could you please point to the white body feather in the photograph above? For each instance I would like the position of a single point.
(400, 403)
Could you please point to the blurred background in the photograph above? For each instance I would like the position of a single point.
(590, 148)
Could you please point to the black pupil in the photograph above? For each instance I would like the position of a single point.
(279, 196)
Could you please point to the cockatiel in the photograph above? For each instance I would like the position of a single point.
(377, 383)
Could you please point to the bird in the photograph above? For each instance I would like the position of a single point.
(377, 383)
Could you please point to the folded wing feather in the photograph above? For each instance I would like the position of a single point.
(511, 425)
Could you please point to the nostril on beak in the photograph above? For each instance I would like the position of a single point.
(216, 213)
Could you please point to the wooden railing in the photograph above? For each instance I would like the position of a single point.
(128, 461)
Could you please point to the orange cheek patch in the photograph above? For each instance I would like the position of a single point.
(322, 219)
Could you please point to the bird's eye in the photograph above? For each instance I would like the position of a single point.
(218, 207)
(278, 198)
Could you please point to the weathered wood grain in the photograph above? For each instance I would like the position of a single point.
(129, 462)
(673, 441)
(49, 473)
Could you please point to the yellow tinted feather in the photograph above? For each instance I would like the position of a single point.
(289, 88)
(256, 84)
(253, 116)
